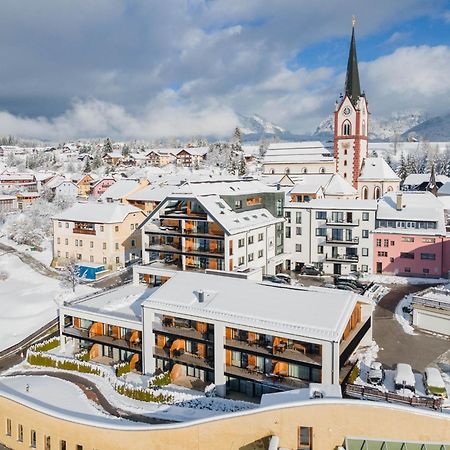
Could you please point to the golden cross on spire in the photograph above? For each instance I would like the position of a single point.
(353, 21)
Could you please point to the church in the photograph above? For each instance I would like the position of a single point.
(370, 176)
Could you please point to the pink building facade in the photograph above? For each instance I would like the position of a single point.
(416, 255)
(100, 186)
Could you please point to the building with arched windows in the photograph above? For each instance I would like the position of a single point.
(376, 179)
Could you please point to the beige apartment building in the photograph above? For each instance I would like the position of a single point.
(100, 236)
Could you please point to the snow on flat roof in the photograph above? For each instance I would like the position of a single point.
(123, 302)
(300, 312)
(152, 193)
(377, 169)
(98, 212)
(59, 398)
(343, 204)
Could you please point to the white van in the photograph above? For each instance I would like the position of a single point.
(404, 379)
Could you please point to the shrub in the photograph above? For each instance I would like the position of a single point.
(122, 368)
(82, 356)
(47, 361)
(354, 373)
(45, 346)
(160, 380)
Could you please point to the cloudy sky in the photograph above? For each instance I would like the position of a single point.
(159, 68)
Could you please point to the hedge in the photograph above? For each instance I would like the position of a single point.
(45, 346)
(160, 380)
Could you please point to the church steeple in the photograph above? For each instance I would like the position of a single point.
(352, 86)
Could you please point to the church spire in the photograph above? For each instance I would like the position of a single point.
(352, 87)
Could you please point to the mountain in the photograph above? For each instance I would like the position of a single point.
(436, 129)
(380, 129)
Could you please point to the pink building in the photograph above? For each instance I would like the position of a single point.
(410, 237)
(98, 187)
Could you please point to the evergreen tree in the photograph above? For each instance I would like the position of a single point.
(125, 151)
(87, 165)
(107, 146)
(97, 161)
(411, 164)
(402, 170)
(241, 165)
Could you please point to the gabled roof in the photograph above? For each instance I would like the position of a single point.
(416, 179)
(119, 189)
(297, 152)
(224, 187)
(338, 186)
(375, 169)
(445, 189)
(152, 194)
(98, 212)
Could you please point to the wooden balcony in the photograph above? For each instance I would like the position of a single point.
(123, 344)
(84, 231)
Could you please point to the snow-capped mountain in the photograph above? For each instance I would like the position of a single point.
(381, 129)
(255, 128)
(434, 129)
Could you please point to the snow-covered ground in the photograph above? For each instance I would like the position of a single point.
(404, 318)
(28, 300)
(53, 394)
(394, 279)
(45, 256)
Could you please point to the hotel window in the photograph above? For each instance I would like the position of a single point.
(260, 253)
(62, 445)
(117, 260)
(288, 232)
(392, 243)
(386, 242)
(321, 215)
(250, 257)
(241, 261)
(102, 228)
(250, 240)
(104, 245)
(8, 427)
(79, 256)
(428, 240)
(431, 256)
(298, 247)
(406, 255)
(238, 204)
(321, 231)
(104, 260)
(298, 231)
(67, 224)
(66, 241)
(58, 240)
(304, 438)
(116, 228)
(47, 443)
(91, 244)
(241, 242)
(365, 251)
(364, 268)
(59, 224)
(353, 268)
(382, 254)
(117, 246)
(59, 253)
(76, 242)
(33, 439)
(132, 226)
(287, 216)
(365, 233)
(378, 242)
(260, 237)
(67, 254)
(298, 217)
(365, 216)
(20, 433)
(320, 249)
(91, 258)
(81, 243)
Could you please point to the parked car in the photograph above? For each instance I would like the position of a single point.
(351, 281)
(349, 287)
(376, 373)
(404, 379)
(433, 382)
(311, 270)
(285, 277)
(274, 279)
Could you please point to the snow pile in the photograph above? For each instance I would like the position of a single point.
(404, 318)
(394, 279)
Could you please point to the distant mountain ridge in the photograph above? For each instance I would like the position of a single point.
(403, 125)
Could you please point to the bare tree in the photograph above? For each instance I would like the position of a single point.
(71, 274)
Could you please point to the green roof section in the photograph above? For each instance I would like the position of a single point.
(352, 86)
(377, 444)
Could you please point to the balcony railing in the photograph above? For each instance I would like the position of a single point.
(342, 240)
(343, 222)
(124, 344)
(181, 331)
(184, 358)
(342, 258)
(279, 381)
(84, 231)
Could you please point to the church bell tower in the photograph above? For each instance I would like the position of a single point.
(351, 120)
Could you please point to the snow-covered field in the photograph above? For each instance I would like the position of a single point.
(45, 256)
(28, 300)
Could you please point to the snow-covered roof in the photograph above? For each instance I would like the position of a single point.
(57, 181)
(310, 183)
(163, 151)
(300, 312)
(194, 151)
(115, 154)
(119, 189)
(7, 197)
(376, 168)
(297, 152)
(416, 206)
(122, 303)
(152, 194)
(338, 186)
(25, 177)
(341, 205)
(224, 187)
(97, 212)
(444, 190)
(416, 179)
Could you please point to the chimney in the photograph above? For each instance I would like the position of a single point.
(201, 296)
(398, 205)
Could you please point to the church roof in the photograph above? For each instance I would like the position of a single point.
(376, 168)
(338, 186)
(352, 86)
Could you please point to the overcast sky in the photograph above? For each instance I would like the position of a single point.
(159, 68)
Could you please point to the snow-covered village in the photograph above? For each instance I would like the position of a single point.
(225, 225)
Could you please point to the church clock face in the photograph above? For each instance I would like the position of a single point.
(346, 111)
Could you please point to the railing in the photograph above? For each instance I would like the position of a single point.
(371, 393)
(83, 231)
(334, 240)
(186, 332)
(186, 358)
(350, 258)
(344, 222)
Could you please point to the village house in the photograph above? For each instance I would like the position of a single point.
(121, 189)
(99, 186)
(161, 157)
(191, 156)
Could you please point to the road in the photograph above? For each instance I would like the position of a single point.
(418, 350)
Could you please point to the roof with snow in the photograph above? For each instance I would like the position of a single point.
(376, 168)
(152, 194)
(416, 179)
(338, 186)
(297, 152)
(224, 187)
(416, 206)
(57, 181)
(301, 312)
(444, 189)
(119, 189)
(194, 151)
(97, 212)
(310, 183)
(341, 205)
